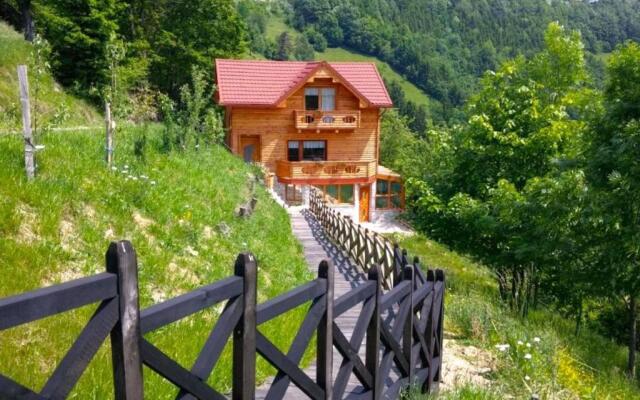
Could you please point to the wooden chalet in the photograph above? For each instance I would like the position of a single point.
(312, 124)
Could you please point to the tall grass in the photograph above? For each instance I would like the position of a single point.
(170, 205)
(543, 355)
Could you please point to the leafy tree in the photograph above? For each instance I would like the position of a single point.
(316, 39)
(613, 161)
(285, 47)
(78, 32)
(302, 50)
(191, 34)
(500, 191)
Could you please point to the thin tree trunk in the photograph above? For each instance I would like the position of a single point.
(27, 20)
(633, 332)
(578, 317)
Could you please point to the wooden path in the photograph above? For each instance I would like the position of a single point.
(317, 247)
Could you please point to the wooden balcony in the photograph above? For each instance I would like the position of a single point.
(327, 119)
(317, 172)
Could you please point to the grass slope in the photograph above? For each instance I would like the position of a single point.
(562, 365)
(58, 227)
(55, 108)
(276, 25)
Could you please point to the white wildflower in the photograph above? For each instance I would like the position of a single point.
(536, 339)
(527, 378)
(126, 166)
(520, 343)
(502, 347)
(135, 178)
(528, 344)
(153, 182)
(527, 356)
(114, 168)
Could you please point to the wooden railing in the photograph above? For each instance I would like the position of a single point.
(292, 170)
(401, 330)
(363, 246)
(376, 254)
(327, 119)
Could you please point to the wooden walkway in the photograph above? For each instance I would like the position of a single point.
(317, 247)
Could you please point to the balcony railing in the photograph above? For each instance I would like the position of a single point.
(327, 119)
(325, 170)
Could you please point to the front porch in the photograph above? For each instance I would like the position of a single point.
(376, 199)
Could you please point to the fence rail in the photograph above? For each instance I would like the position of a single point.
(401, 330)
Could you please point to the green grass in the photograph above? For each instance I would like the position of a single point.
(58, 227)
(563, 366)
(55, 108)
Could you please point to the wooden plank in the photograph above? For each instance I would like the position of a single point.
(395, 295)
(244, 335)
(10, 390)
(298, 347)
(176, 374)
(125, 335)
(353, 297)
(290, 300)
(215, 343)
(41, 303)
(184, 305)
(284, 364)
(357, 336)
(407, 331)
(324, 341)
(372, 359)
(77, 359)
(109, 134)
(29, 143)
(351, 356)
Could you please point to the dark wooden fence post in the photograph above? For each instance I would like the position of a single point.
(372, 356)
(324, 361)
(429, 335)
(440, 329)
(125, 336)
(407, 332)
(244, 334)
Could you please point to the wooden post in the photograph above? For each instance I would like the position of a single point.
(429, 335)
(109, 136)
(244, 335)
(372, 351)
(440, 332)
(324, 361)
(125, 336)
(29, 146)
(407, 332)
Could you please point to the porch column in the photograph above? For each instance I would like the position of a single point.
(372, 202)
(356, 203)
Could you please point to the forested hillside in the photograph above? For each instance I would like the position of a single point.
(444, 46)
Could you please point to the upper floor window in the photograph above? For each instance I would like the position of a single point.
(319, 99)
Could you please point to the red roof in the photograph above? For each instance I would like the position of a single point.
(267, 83)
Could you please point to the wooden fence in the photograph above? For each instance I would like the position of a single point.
(365, 247)
(401, 330)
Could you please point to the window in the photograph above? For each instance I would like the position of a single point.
(293, 193)
(307, 150)
(337, 194)
(294, 151)
(312, 99)
(320, 99)
(328, 100)
(389, 194)
(314, 150)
